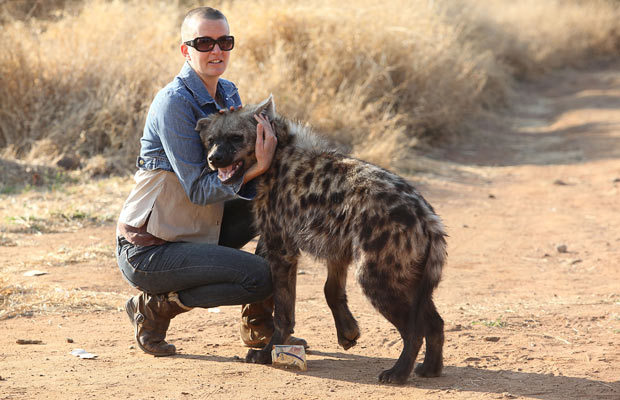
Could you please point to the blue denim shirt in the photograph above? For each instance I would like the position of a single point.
(169, 141)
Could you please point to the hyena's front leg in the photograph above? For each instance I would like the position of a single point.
(335, 293)
(284, 278)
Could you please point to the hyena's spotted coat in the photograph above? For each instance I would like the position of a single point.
(344, 211)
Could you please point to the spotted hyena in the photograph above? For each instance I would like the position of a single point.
(344, 211)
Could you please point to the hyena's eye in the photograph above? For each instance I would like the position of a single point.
(236, 138)
(210, 142)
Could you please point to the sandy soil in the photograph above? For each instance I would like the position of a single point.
(523, 320)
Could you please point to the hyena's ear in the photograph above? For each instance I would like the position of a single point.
(267, 107)
(202, 123)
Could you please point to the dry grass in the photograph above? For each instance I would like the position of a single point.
(17, 300)
(66, 207)
(530, 37)
(81, 84)
(375, 78)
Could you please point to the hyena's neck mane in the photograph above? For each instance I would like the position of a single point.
(293, 134)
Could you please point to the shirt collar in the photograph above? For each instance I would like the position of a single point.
(195, 85)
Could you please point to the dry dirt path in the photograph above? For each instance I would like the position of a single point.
(523, 320)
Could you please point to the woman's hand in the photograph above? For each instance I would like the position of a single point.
(265, 148)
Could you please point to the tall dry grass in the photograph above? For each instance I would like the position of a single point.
(82, 83)
(376, 78)
(530, 37)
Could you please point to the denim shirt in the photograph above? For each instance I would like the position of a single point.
(170, 142)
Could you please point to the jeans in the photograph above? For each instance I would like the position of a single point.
(203, 275)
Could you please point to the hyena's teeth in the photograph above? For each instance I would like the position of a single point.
(226, 173)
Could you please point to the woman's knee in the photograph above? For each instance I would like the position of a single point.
(262, 278)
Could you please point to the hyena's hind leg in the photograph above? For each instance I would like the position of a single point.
(335, 293)
(422, 321)
(397, 305)
(284, 276)
(397, 312)
(432, 322)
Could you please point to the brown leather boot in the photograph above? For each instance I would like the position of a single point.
(150, 316)
(257, 325)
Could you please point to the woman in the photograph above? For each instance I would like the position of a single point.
(180, 229)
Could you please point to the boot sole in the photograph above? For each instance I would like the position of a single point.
(130, 313)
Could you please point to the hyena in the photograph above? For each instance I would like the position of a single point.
(341, 210)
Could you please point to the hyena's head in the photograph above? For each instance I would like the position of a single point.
(229, 139)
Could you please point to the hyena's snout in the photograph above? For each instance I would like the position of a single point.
(222, 159)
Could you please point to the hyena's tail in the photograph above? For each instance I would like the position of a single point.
(435, 258)
(436, 254)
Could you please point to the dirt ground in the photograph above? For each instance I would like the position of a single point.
(530, 294)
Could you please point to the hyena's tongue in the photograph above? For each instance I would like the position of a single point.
(225, 173)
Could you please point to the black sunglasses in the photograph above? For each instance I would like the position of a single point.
(206, 43)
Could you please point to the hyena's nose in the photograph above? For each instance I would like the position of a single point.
(215, 158)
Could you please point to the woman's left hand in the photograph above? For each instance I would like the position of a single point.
(264, 149)
(266, 143)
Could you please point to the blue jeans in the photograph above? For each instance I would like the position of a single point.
(204, 275)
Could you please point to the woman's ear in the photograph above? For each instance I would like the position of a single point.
(185, 51)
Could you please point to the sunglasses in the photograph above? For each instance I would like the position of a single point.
(205, 43)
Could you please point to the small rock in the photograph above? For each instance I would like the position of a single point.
(617, 180)
(576, 261)
(455, 328)
(132, 347)
(69, 163)
(560, 182)
(562, 248)
(492, 339)
(472, 359)
(492, 196)
(69, 340)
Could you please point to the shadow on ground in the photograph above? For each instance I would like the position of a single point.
(338, 366)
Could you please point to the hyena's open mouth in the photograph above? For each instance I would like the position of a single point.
(230, 173)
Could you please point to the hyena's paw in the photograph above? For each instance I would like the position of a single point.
(394, 375)
(348, 339)
(426, 370)
(348, 333)
(258, 356)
